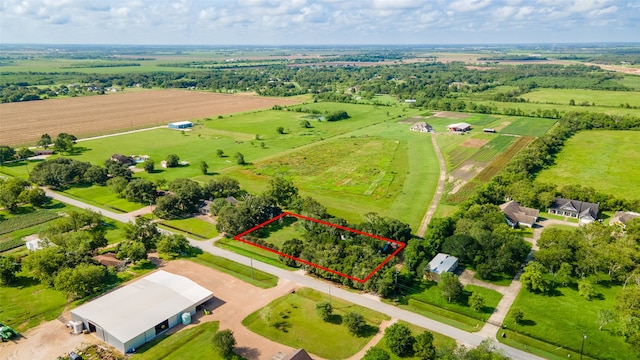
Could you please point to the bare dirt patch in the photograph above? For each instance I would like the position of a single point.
(474, 143)
(451, 115)
(502, 125)
(468, 170)
(24, 122)
(414, 119)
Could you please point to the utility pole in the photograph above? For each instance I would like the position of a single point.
(584, 337)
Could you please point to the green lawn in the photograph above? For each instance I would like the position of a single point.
(195, 343)
(534, 107)
(242, 272)
(599, 97)
(252, 252)
(613, 158)
(280, 231)
(28, 303)
(192, 227)
(528, 126)
(103, 197)
(292, 320)
(440, 341)
(563, 318)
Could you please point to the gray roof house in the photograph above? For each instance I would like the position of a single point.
(441, 263)
(584, 211)
(138, 312)
(516, 214)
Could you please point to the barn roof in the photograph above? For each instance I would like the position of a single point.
(135, 308)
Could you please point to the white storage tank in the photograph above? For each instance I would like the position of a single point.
(77, 326)
(186, 318)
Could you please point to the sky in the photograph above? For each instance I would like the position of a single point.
(318, 22)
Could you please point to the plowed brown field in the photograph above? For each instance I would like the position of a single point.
(23, 123)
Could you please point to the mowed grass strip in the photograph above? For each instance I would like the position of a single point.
(245, 273)
(195, 343)
(252, 252)
(494, 147)
(561, 319)
(292, 320)
(599, 97)
(201, 229)
(529, 127)
(613, 158)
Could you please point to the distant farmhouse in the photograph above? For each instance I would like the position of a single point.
(517, 214)
(441, 263)
(583, 211)
(623, 217)
(123, 159)
(459, 127)
(180, 125)
(422, 127)
(138, 312)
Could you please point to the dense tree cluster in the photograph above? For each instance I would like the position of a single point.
(15, 191)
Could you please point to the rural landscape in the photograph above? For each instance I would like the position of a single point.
(310, 202)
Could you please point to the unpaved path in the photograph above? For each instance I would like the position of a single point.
(438, 195)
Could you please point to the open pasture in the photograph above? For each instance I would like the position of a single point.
(599, 97)
(24, 122)
(613, 158)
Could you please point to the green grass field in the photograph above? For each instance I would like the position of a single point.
(192, 227)
(440, 341)
(563, 318)
(529, 127)
(252, 252)
(195, 343)
(533, 107)
(28, 303)
(242, 272)
(104, 197)
(292, 320)
(613, 158)
(599, 97)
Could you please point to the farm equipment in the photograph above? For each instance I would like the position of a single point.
(6, 332)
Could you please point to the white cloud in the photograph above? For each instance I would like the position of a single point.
(469, 5)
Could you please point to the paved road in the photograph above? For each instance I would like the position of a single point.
(466, 338)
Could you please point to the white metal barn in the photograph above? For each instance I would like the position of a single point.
(136, 313)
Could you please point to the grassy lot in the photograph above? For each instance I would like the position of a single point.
(533, 107)
(193, 343)
(494, 147)
(599, 97)
(529, 127)
(292, 320)
(103, 197)
(563, 318)
(28, 303)
(632, 81)
(613, 158)
(252, 252)
(280, 231)
(440, 341)
(242, 272)
(199, 229)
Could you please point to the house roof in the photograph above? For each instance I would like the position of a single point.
(443, 263)
(135, 308)
(178, 123)
(299, 354)
(584, 209)
(519, 214)
(624, 217)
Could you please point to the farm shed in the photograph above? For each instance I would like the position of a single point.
(180, 125)
(459, 127)
(136, 313)
(623, 217)
(441, 263)
(515, 214)
(584, 211)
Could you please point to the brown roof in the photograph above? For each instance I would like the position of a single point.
(519, 214)
(299, 354)
(624, 217)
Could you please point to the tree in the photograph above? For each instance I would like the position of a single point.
(399, 340)
(305, 124)
(45, 141)
(627, 310)
(517, 315)
(81, 281)
(6, 154)
(8, 270)
(173, 245)
(144, 231)
(133, 250)
(354, 322)
(96, 175)
(140, 190)
(564, 274)
(462, 246)
(45, 263)
(172, 160)
(149, 165)
(324, 310)
(280, 130)
(10, 192)
(423, 347)
(64, 143)
(224, 342)
(204, 168)
(188, 193)
(23, 153)
(585, 289)
(605, 316)
(450, 286)
(118, 185)
(533, 278)
(239, 158)
(476, 301)
(376, 353)
(281, 190)
(220, 153)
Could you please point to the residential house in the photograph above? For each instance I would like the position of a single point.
(441, 263)
(516, 214)
(422, 127)
(123, 160)
(584, 211)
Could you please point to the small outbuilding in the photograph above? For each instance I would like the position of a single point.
(623, 217)
(441, 263)
(180, 125)
(136, 313)
(459, 127)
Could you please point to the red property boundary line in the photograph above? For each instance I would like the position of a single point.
(386, 260)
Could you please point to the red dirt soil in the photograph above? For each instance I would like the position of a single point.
(23, 123)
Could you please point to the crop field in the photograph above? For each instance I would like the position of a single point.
(613, 158)
(24, 122)
(598, 97)
(529, 127)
